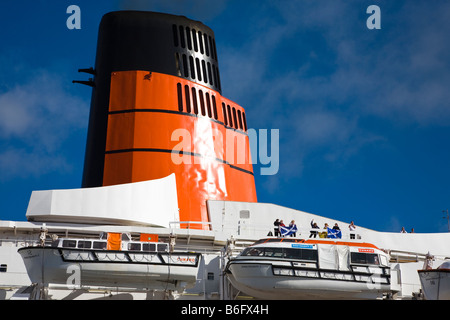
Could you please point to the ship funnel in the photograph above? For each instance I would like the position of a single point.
(157, 109)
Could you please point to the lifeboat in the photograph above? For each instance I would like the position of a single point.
(436, 282)
(113, 260)
(285, 268)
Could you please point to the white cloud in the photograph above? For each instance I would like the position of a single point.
(20, 163)
(398, 74)
(36, 118)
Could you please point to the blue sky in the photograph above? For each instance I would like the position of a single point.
(363, 115)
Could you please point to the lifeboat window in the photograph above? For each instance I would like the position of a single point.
(301, 254)
(149, 247)
(3, 267)
(365, 258)
(99, 245)
(273, 252)
(162, 247)
(253, 252)
(309, 254)
(134, 246)
(84, 244)
(69, 243)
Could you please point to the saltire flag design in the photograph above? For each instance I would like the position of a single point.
(286, 231)
(333, 233)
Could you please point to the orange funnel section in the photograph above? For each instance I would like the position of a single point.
(160, 124)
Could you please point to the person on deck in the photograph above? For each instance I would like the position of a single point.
(276, 228)
(293, 225)
(313, 226)
(352, 228)
(324, 233)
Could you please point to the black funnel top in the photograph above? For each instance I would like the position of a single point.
(149, 41)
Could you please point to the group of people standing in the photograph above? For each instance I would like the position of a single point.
(324, 233)
(404, 231)
(281, 230)
(279, 226)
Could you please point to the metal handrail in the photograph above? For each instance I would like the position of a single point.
(188, 223)
(20, 242)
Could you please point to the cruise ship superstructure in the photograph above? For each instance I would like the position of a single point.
(168, 206)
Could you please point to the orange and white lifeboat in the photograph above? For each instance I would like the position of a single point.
(284, 268)
(111, 261)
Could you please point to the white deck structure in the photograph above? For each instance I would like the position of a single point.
(151, 207)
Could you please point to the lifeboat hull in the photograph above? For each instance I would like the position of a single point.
(435, 284)
(103, 268)
(259, 280)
